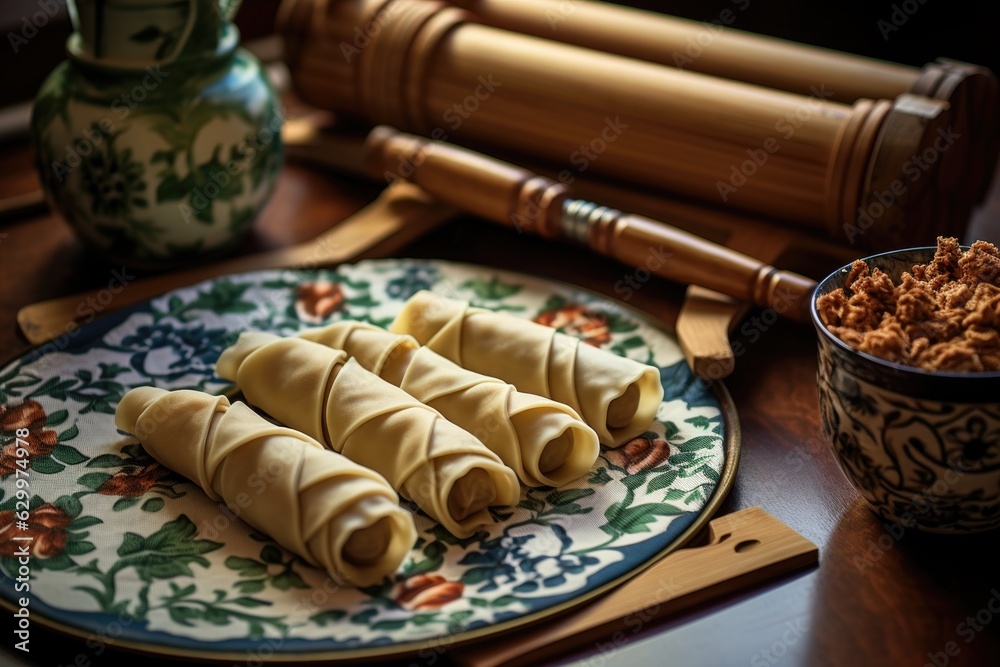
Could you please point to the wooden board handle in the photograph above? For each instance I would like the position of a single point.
(401, 214)
(745, 548)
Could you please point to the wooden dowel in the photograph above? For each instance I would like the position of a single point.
(340, 150)
(699, 46)
(528, 202)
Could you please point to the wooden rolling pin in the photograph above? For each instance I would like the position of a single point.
(516, 197)
(715, 48)
(426, 66)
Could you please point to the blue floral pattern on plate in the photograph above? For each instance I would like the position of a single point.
(120, 540)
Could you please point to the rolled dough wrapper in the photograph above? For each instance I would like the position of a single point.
(543, 441)
(443, 469)
(615, 396)
(336, 514)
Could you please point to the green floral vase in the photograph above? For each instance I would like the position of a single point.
(159, 138)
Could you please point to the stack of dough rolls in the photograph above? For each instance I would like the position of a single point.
(615, 396)
(445, 470)
(331, 511)
(543, 441)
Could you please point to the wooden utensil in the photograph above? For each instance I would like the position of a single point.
(512, 196)
(402, 213)
(706, 317)
(715, 48)
(429, 68)
(745, 548)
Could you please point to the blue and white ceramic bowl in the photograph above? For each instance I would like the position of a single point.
(923, 448)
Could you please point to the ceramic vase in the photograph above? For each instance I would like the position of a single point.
(158, 139)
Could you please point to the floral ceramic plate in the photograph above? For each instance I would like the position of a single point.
(124, 551)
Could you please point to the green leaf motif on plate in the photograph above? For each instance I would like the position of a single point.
(328, 616)
(151, 563)
(56, 418)
(124, 503)
(224, 296)
(93, 480)
(623, 519)
(699, 421)
(493, 289)
(47, 465)
(111, 371)
(255, 574)
(14, 381)
(95, 395)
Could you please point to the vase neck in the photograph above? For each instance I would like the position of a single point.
(136, 34)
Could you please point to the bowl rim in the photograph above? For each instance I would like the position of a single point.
(891, 365)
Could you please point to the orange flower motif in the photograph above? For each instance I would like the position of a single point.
(317, 300)
(134, 484)
(426, 591)
(46, 525)
(580, 321)
(640, 454)
(28, 415)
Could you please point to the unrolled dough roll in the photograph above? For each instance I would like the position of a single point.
(541, 440)
(331, 511)
(443, 469)
(615, 396)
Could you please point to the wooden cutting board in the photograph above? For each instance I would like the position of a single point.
(744, 548)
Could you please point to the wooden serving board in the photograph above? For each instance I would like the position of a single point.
(744, 548)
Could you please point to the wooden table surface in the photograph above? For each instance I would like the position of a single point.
(875, 598)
